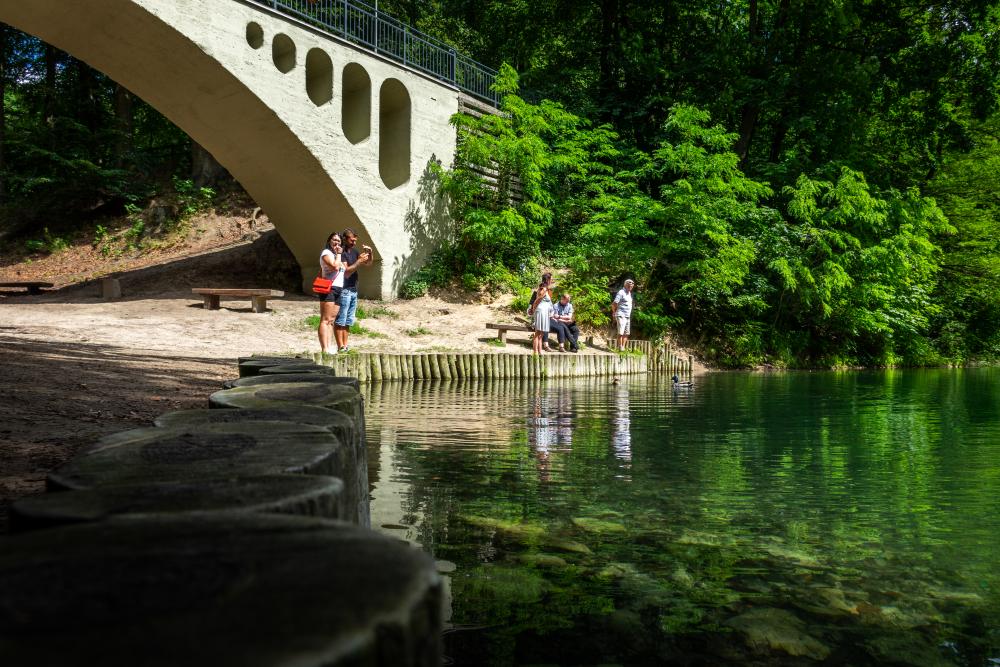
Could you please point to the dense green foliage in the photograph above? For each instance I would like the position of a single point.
(76, 148)
(790, 183)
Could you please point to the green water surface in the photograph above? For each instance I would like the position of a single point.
(793, 518)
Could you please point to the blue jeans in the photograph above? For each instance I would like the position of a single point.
(348, 304)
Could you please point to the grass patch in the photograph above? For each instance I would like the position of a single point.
(359, 330)
(419, 331)
(375, 312)
(496, 342)
(311, 322)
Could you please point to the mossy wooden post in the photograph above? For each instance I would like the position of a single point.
(425, 366)
(488, 366)
(397, 367)
(452, 366)
(469, 362)
(512, 370)
(408, 367)
(442, 359)
(419, 368)
(498, 368)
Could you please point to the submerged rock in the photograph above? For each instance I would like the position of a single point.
(777, 630)
(598, 526)
(568, 546)
(541, 560)
(516, 530)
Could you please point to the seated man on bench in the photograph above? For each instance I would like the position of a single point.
(563, 325)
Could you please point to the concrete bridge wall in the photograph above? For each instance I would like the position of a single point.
(322, 134)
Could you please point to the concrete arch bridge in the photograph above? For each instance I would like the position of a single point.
(324, 132)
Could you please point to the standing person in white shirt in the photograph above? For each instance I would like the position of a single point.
(621, 311)
(332, 268)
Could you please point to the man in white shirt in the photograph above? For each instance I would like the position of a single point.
(621, 311)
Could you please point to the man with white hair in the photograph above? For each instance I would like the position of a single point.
(621, 312)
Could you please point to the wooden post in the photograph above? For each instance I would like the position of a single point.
(258, 304)
(211, 301)
(111, 288)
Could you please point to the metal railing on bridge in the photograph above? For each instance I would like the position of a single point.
(366, 26)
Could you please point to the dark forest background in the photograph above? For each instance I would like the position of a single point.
(792, 183)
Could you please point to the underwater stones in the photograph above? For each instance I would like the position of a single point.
(618, 571)
(541, 560)
(827, 602)
(598, 526)
(569, 546)
(796, 556)
(704, 539)
(910, 648)
(768, 629)
(305, 495)
(209, 590)
(152, 455)
(518, 531)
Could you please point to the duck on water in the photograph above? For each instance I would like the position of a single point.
(678, 384)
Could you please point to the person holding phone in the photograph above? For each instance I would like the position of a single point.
(332, 268)
(353, 259)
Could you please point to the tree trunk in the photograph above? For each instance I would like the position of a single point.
(123, 124)
(3, 111)
(205, 170)
(49, 103)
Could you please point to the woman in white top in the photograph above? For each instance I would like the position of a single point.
(332, 268)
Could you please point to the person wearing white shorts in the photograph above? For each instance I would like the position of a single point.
(621, 310)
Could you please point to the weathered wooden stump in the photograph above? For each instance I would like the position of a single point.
(321, 378)
(355, 471)
(306, 495)
(181, 453)
(217, 590)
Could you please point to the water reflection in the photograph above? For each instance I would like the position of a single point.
(852, 515)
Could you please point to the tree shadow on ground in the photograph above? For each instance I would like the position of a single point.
(58, 398)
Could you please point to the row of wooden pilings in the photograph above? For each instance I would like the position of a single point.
(383, 367)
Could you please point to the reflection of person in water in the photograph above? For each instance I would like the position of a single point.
(550, 427)
(621, 434)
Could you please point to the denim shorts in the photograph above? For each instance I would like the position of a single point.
(333, 296)
(348, 304)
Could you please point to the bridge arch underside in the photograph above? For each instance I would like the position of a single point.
(201, 96)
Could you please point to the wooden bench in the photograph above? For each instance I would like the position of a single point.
(258, 297)
(33, 288)
(502, 329)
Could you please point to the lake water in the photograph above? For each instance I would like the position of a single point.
(793, 518)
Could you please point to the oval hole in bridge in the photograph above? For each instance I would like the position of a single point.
(283, 53)
(356, 115)
(394, 133)
(255, 35)
(319, 76)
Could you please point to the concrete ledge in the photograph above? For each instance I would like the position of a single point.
(147, 455)
(305, 495)
(202, 590)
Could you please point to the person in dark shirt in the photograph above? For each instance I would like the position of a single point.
(349, 294)
(563, 324)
